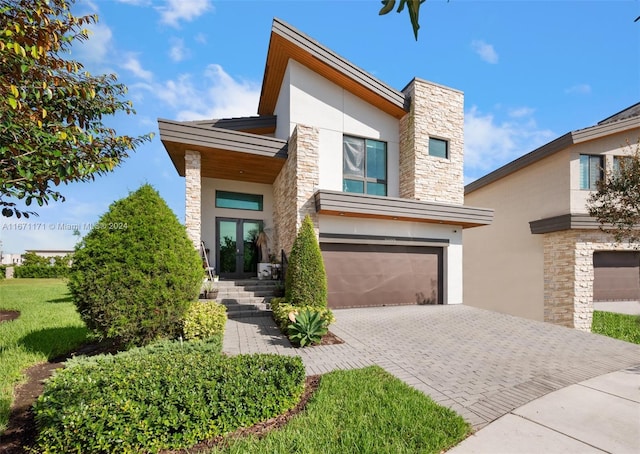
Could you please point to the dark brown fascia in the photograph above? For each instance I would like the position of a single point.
(368, 206)
(286, 43)
(561, 143)
(255, 125)
(569, 221)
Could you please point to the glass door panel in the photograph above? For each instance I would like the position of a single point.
(227, 238)
(236, 246)
(250, 230)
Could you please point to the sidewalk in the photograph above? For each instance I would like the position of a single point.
(594, 416)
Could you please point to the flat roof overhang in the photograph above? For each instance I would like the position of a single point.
(288, 43)
(568, 221)
(225, 154)
(367, 206)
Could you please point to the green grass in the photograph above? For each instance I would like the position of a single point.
(48, 326)
(619, 326)
(362, 411)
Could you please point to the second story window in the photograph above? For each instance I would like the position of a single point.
(621, 162)
(364, 166)
(439, 148)
(591, 171)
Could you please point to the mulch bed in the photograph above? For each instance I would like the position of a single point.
(331, 339)
(6, 316)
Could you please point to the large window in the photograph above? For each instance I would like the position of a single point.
(364, 166)
(439, 148)
(591, 171)
(238, 201)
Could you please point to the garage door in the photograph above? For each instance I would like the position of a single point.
(616, 276)
(361, 275)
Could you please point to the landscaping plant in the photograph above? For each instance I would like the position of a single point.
(307, 329)
(135, 272)
(150, 399)
(204, 320)
(306, 280)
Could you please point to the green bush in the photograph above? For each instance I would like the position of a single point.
(136, 271)
(306, 280)
(40, 271)
(204, 320)
(281, 310)
(3, 271)
(149, 400)
(307, 329)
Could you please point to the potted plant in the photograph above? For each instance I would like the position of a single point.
(210, 290)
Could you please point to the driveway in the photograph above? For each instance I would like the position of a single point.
(481, 364)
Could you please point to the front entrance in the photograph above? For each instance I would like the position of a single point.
(236, 251)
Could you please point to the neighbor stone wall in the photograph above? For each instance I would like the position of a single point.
(435, 111)
(193, 202)
(568, 275)
(294, 187)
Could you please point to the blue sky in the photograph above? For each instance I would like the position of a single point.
(530, 71)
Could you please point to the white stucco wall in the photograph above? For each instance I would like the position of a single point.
(452, 256)
(210, 212)
(503, 262)
(614, 145)
(314, 101)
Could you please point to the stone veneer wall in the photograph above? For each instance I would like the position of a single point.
(435, 111)
(193, 205)
(568, 275)
(294, 187)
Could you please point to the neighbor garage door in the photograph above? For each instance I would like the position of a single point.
(360, 275)
(616, 276)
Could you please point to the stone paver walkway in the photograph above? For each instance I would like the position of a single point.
(479, 363)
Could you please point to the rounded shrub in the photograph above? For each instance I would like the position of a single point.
(306, 280)
(204, 320)
(135, 272)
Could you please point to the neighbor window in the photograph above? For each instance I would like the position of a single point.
(439, 148)
(590, 171)
(238, 201)
(626, 162)
(364, 166)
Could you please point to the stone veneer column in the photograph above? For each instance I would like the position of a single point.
(435, 111)
(295, 185)
(193, 204)
(568, 275)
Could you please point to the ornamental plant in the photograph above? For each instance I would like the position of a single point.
(204, 320)
(306, 280)
(136, 271)
(308, 328)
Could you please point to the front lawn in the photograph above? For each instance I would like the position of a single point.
(619, 326)
(48, 326)
(365, 410)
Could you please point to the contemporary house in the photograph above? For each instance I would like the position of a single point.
(378, 170)
(544, 257)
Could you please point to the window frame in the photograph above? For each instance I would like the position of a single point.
(446, 149)
(260, 202)
(366, 179)
(590, 158)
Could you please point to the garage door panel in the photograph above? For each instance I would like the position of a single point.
(377, 275)
(616, 276)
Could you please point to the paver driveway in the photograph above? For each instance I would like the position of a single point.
(481, 364)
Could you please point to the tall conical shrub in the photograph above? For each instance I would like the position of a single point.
(135, 272)
(306, 281)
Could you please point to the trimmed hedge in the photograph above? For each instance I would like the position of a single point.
(306, 280)
(281, 309)
(40, 271)
(204, 320)
(136, 271)
(3, 271)
(169, 398)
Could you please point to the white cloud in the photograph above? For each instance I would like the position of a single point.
(579, 89)
(97, 47)
(201, 38)
(133, 64)
(218, 96)
(136, 2)
(485, 51)
(187, 10)
(520, 112)
(177, 51)
(490, 143)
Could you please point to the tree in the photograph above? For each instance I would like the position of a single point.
(306, 280)
(135, 273)
(51, 109)
(616, 204)
(413, 7)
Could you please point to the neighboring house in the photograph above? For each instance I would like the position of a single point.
(50, 253)
(10, 259)
(544, 257)
(378, 170)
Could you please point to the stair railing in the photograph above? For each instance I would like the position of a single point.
(284, 262)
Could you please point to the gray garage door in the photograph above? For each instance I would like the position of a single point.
(362, 275)
(616, 276)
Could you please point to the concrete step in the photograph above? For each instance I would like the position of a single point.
(240, 293)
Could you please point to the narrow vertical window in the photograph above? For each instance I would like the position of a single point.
(364, 166)
(591, 171)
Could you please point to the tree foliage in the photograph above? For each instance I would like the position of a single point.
(51, 109)
(135, 272)
(413, 8)
(616, 204)
(306, 280)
